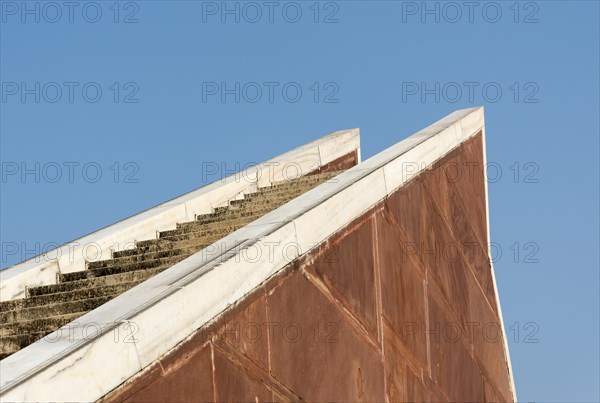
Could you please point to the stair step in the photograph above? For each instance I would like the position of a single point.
(277, 194)
(135, 266)
(53, 298)
(283, 190)
(57, 309)
(184, 230)
(262, 198)
(191, 232)
(44, 325)
(256, 211)
(305, 180)
(217, 225)
(70, 286)
(161, 249)
(3, 355)
(169, 247)
(11, 344)
(227, 226)
(215, 232)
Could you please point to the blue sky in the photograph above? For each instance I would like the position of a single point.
(133, 100)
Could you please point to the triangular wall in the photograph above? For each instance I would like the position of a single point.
(398, 305)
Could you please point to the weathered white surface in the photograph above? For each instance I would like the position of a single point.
(43, 269)
(345, 204)
(171, 305)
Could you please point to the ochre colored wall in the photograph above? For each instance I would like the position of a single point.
(344, 162)
(398, 306)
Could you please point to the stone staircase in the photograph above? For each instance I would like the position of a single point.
(47, 308)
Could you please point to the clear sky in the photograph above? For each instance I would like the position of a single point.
(123, 106)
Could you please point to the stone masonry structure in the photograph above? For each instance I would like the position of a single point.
(356, 281)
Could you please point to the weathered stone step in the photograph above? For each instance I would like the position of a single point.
(253, 211)
(192, 234)
(223, 226)
(44, 325)
(192, 229)
(226, 226)
(107, 271)
(73, 295)
(168, 247)
(260, 198)
(11, 344)
(139, 276)
(4, 355)
(283, 188)
(311, 180)
(290, 192)
(58, 309)
(306, 179)
(279, 193)
(161, 249)
(173, 250)
(198, 230)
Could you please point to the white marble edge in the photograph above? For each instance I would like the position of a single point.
(150, 304)
(40, 270)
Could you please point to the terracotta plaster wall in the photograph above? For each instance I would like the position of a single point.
(398, 306)
(341, 163)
